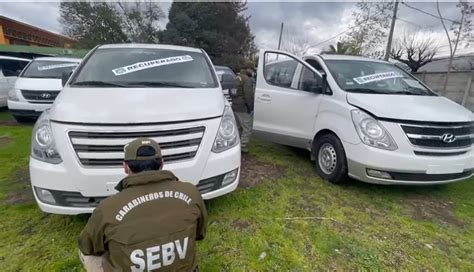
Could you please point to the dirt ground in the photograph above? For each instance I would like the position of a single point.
(426, 208)
(4, 140)
(255, 171)
(22, 195)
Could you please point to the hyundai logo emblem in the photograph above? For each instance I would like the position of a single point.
(448, 138)
(45, 95)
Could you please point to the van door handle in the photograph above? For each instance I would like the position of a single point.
(264, 98)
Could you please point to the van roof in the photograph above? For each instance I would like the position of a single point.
(13, 58)
(347, 57)
(59, 59)
(152, 46)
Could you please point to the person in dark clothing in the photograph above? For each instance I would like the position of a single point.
(242, 105)
(153, 223)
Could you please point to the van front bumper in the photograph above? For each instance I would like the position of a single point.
(26, 109)
(404, 168)
(69, 200)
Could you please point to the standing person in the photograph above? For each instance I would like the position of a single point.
(242, 105)
(152, 223)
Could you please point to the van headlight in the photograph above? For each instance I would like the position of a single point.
(227, 134)
(43, 146)
(12, 95)
(371, 131)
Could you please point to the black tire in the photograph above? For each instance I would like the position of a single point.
(331, 164)
(23, 119)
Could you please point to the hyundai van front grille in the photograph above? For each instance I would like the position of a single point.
(43, 97)
(106, 149)
(440, 136)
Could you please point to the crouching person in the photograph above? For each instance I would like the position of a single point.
(153, 223)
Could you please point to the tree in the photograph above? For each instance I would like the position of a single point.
(461, 30)
(414, 51)
(369, 30)
(218, 27)
(297, 46)
(341, 48)
(140, 20)
(92, 23)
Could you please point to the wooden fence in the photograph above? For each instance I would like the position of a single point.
(459, 88)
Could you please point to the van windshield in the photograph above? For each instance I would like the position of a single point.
(145, 67)
(48, 69)
(360, 76)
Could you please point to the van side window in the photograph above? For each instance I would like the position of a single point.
(12, 68)
(309, 81)
(279, 69)
(315, 65)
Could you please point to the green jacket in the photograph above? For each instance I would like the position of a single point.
(153, 223)
(244, 99)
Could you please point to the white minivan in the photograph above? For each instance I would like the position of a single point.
(37, 86)
(10, 68)
(362, 118)
(125, 91)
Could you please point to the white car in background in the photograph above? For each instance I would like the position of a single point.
(121, 92)
(363, 118)
(38, 86)
(10, 68)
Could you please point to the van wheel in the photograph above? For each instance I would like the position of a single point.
(331, 162)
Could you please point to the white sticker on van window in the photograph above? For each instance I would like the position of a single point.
(57, 66)
(150, 64)
(376, 77)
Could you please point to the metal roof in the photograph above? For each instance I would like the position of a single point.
(40, 50)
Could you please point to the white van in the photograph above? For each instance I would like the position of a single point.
(37, 86)
(10, 68)
(362, 118)
(121, 92)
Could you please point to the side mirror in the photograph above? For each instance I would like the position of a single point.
(65, 77)
(227, 82)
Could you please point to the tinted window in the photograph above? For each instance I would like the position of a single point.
(48, 69)
(308, 80)
(12, 68)
(374, 77)
(146, 67)
(279, 69)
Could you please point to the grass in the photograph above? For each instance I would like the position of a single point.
(360, 226)
(4, 114)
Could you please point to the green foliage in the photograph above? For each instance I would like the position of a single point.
(93, 23)
(341, 48)
(369, 30)
(140, 20)
(219, 28)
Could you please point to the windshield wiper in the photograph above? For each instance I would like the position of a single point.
(94, 83)
(407, 92)
(364, 90)
(158, 84)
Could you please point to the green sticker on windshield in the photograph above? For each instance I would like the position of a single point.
(376, 77)
(150, 64)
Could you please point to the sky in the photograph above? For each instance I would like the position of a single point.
(304, 22)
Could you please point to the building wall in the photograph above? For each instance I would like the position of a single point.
(460, 87)
(18, 33)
